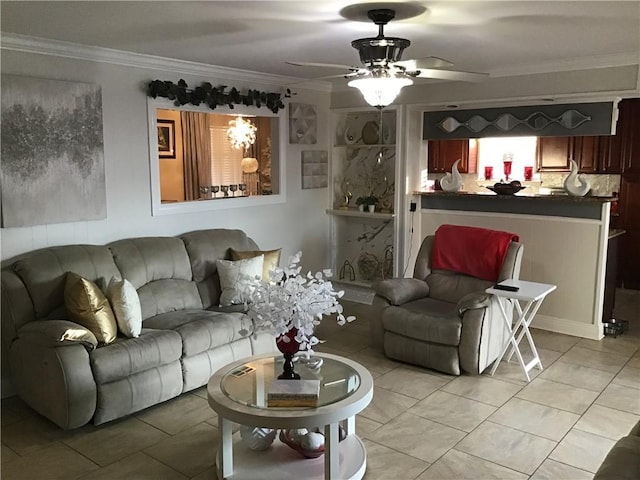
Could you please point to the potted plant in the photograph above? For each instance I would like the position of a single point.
(368, 201)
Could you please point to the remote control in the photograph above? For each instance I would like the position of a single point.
(508, 288)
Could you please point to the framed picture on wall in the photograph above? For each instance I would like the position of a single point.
(166, 139)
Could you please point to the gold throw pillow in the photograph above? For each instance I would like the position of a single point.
(87, 306)
(271, 259)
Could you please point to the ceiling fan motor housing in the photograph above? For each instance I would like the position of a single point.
(380, 51)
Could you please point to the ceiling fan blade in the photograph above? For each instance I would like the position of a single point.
(323, 65)
(449, 75)
(328, 77)
(426, 62)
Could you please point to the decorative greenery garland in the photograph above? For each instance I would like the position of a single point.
(212, 96)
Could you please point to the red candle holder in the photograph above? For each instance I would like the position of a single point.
(507, 169)
(528, 173)
(488, 173)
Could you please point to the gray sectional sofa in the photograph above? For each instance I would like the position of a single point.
(185, 335)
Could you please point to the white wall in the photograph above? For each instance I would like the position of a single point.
(299, 224)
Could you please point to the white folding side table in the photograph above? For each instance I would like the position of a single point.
(531, 294)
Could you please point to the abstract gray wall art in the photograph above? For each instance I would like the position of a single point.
(52, 152)
(303, 124)
(315, 169)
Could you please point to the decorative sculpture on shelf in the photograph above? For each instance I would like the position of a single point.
(452, 182)
(579, 188)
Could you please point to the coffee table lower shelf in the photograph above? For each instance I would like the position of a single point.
(283, 463)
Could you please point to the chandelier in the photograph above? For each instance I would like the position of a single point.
(241, 133)
(381, 89)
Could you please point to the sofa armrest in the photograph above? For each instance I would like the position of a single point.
(473, 301)
(401, 290)
(57, 333)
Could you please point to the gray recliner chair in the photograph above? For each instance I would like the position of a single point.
(442, 319)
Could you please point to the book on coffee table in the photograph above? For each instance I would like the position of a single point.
(293, 393)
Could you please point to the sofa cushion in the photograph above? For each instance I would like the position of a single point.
(44, 274)
(271, 259)
(126, 307)
(159, 268)
(401, 290)
(441, 325)
(622, 462)
(57, 333)
(87, 306)
(128, 356)
(203, 330)
(204, 247)
(451, 287)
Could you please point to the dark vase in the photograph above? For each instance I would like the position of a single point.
(288, 349)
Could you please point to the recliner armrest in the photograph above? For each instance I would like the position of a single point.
(401, 290)
(473, 301)
(57, 333)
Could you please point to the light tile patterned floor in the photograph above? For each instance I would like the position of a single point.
(421, 425)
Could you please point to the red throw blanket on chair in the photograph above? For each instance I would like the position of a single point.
(478, 252)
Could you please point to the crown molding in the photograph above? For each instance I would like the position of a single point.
(582, 63)
(58, 48)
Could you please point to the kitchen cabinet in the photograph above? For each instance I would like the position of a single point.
(629, 132)
(629, 220)
(593, 154)
(609, 154)
(585, 151)
(627, 150)
(553, 153)
(442, 154)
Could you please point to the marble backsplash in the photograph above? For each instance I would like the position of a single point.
(545, 183)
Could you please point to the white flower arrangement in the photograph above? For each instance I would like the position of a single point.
(291, 300)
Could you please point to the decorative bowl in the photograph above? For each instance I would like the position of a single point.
(505, 189)
(287, 440)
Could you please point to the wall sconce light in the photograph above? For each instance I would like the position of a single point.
(241, 133)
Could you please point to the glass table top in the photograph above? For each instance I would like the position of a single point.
(249, 383)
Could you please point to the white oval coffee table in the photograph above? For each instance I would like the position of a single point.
(237, 393)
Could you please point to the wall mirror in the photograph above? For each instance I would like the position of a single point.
(204, 159)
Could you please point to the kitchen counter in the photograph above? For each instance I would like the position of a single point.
(589, 207)
(518, 196)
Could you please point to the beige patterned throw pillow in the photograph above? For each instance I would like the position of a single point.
(232, 272)
(271, 259)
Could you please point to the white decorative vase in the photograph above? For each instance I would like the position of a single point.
(452, 182)
(576, 184)
(257, 438)
(371, 208)
(361, 208)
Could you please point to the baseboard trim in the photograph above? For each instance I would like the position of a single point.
(568, 327)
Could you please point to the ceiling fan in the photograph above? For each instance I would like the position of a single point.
(384, 72)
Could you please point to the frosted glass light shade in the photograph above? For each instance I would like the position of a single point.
(249, 165)
(380, 91)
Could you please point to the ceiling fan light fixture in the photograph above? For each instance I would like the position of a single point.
(380, 91)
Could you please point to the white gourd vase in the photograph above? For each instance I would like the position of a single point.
(257, 438)
(452, 182)
(576, 184)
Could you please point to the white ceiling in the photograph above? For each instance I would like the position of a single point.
(498, 37)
